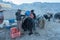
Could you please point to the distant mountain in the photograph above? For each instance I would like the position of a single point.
(37, 6)
(41, 7)
(13, 5)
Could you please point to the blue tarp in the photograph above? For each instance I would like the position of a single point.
(11, 21)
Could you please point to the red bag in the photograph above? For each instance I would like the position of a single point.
(14, 32)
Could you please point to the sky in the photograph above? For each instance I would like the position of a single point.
(18, 2)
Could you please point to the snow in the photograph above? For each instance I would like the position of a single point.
(50, 32)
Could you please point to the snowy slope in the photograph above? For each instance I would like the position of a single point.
(50, 32)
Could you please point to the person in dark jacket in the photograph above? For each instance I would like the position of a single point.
(34, 19)
(18, 18)
(34, 22)
(27, 25)
(18, 15)
(32, 11)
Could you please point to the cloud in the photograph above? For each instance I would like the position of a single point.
(29, 1)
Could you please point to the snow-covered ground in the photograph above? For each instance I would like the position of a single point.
(50, 32)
